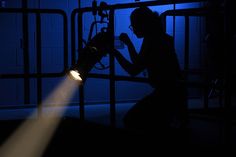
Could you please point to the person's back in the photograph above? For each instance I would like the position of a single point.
(162, 63)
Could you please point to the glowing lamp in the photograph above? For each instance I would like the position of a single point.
(75, 75)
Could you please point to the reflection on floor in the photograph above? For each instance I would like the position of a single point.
(206, 131)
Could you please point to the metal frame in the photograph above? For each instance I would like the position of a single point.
(112, 77)
(187, 13)
(25, 47)
(227, 120)
(39, 75)
(65, 35)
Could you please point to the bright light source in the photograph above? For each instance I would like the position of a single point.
(75, 75)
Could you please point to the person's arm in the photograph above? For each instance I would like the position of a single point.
(132, 69)
(132, 51)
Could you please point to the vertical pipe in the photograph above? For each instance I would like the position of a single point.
(205, 93)
(112, 73)
(26, 53)
(79, 4)
(80, 47)
(228, 71)
(174, 24)
(186, 48)
(73, 47)
(228, 57)
(65, 37)
(39, 64)
(206, 89)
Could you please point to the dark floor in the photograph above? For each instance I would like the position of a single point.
(74, 137)
(207, 132)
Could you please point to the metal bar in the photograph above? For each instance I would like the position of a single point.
(118, 78)
(80, 47)
(112, 72)
(141, 80)
(20, 10)
(206, 95)
(182, 12)
(228, 17)
(228, 57)
(65, 37)
(39, 63)
(91, 29)
(40, 11)
(79, 4)
(94, 75)
(134, 5)
(34, 75)
(73, 46)
(186, 12)
(186, 48)
(174, 24)
(26, 53)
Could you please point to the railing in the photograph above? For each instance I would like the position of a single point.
(226, 104)
(111, 76)
(187, 13)
(39, 75)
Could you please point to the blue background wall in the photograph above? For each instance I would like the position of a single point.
(96, 90)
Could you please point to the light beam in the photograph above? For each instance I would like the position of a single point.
(33, 136)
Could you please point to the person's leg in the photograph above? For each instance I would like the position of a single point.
(136, 117)
(181, 105)
(148, 113)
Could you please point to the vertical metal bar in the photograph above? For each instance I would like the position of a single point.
(73, 47)
(186, 48)
(228, 57)
(26, 53)
(80, 47)
(228, 71)
(112, 73)
(79, 4)
(65, 37)
(205, 93)
(186, 60)
(174, 23)
(39, 64)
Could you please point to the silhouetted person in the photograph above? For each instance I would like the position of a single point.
(166, 105)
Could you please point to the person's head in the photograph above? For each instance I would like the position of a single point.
(144, 21)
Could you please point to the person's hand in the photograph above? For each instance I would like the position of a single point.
(124, 38)
(114, 52)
